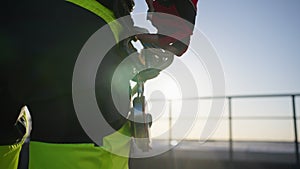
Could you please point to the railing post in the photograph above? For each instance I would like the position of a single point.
(295, 130)
(230, 129)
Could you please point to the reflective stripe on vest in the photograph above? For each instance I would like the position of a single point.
(9, 156)
(73, 156)
(82, 156)
(106, 14)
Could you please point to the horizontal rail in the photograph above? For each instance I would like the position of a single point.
(232, 97)
(294, 118)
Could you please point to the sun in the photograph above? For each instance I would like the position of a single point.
(165, 86)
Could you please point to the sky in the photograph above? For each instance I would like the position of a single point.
(257, 42)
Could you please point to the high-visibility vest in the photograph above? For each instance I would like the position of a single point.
(86, 155)
(106, 14)
(81, 156)
(9, 154)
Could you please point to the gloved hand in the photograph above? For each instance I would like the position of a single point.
(150, 61)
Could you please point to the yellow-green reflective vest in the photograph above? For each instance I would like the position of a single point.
(87, 155)
(9, 154)
(106, 14)
(81, 156)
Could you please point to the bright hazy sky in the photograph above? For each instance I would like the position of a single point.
(258, 43)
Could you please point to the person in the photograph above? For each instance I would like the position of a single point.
(14, 125)
(14, 135)
(65, 144)
(41, 45)
(40, 76)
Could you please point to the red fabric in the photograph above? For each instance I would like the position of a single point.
(195, 3)
(176, 28)
(169, 10)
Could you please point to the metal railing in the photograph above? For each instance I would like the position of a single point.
(230, 117)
